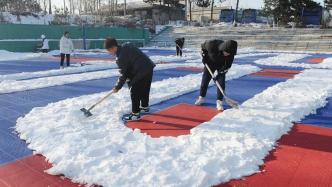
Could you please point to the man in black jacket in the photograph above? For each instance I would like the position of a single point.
(219, 56)
(179, 42)
(137, 69)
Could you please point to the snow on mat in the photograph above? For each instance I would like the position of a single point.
(7, 56)
(243, 55)
(101, 150)
(285, 59)
(38, 74)
(9, 86)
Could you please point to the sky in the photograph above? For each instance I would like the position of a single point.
(242, 3)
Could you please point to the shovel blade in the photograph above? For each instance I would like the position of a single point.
(86, 112)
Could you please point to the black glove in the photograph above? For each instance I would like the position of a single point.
(205, 56)
(129, 83)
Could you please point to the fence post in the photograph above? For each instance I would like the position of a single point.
(84, 36)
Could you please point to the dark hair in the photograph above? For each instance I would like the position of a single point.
(110, 42)
(66, 32)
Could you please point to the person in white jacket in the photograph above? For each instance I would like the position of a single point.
(66, 48)
(45, 47)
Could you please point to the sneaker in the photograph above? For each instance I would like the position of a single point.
(131, 117)
(199, 101)
(145, 110)
(219, 105)
(62, 67)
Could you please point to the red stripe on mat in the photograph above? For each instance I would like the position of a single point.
(303, 158)
(30, 172)
(316, 60)
(174, 121)
(277, 73)
(194, 69)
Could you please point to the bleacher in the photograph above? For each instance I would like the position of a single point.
(260, 38)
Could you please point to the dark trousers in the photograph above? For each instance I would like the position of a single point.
(140, 92)
(62, 56)
(206, 78)
(179, 50)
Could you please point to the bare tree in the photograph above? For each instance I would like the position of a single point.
(50, 6)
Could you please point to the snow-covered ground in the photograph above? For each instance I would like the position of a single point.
(7, 56)
(287, 60)
(104, 140)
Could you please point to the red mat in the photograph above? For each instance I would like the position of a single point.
(316, 60)
(194, 69)
(174, 121)
(277, 73)
(304, 158)
(29, 172)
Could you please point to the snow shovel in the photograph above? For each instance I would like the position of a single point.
(87, 112)
(229, 101)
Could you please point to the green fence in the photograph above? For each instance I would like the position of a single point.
(26, 38)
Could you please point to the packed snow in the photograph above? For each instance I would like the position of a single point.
(105, 141)
(7, 56)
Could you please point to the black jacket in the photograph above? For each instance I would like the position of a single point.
(179, 42)
(133, 65)
(215, 58)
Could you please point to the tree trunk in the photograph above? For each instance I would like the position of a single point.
(212, 4)
(50, 6)
(190, 18)
(125, 7)
(64, 6)
(186, 9)
(236, 12)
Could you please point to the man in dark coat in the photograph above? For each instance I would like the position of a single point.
(137, 69)
(219, 56)
(179, 42)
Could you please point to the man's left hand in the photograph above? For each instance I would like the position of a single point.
(114, 90)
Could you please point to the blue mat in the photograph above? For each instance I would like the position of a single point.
(323, 116)
(240, 89)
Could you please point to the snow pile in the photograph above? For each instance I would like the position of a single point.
(7, 56)
(107, 149)
(9, 86)
(40, 20)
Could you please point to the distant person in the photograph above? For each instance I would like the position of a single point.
(219, 56)
(66, 48)
(179, 42)
(137, 69)
(45, 47)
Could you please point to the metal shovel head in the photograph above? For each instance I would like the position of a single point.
(86, 112)
(232, 103)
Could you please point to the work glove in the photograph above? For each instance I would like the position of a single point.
(129, 83)
(114, 90)
(205, 56)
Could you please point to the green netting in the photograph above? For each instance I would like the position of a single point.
(11, 34)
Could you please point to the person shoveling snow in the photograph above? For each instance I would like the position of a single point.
(136, 69)
(217, 56)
